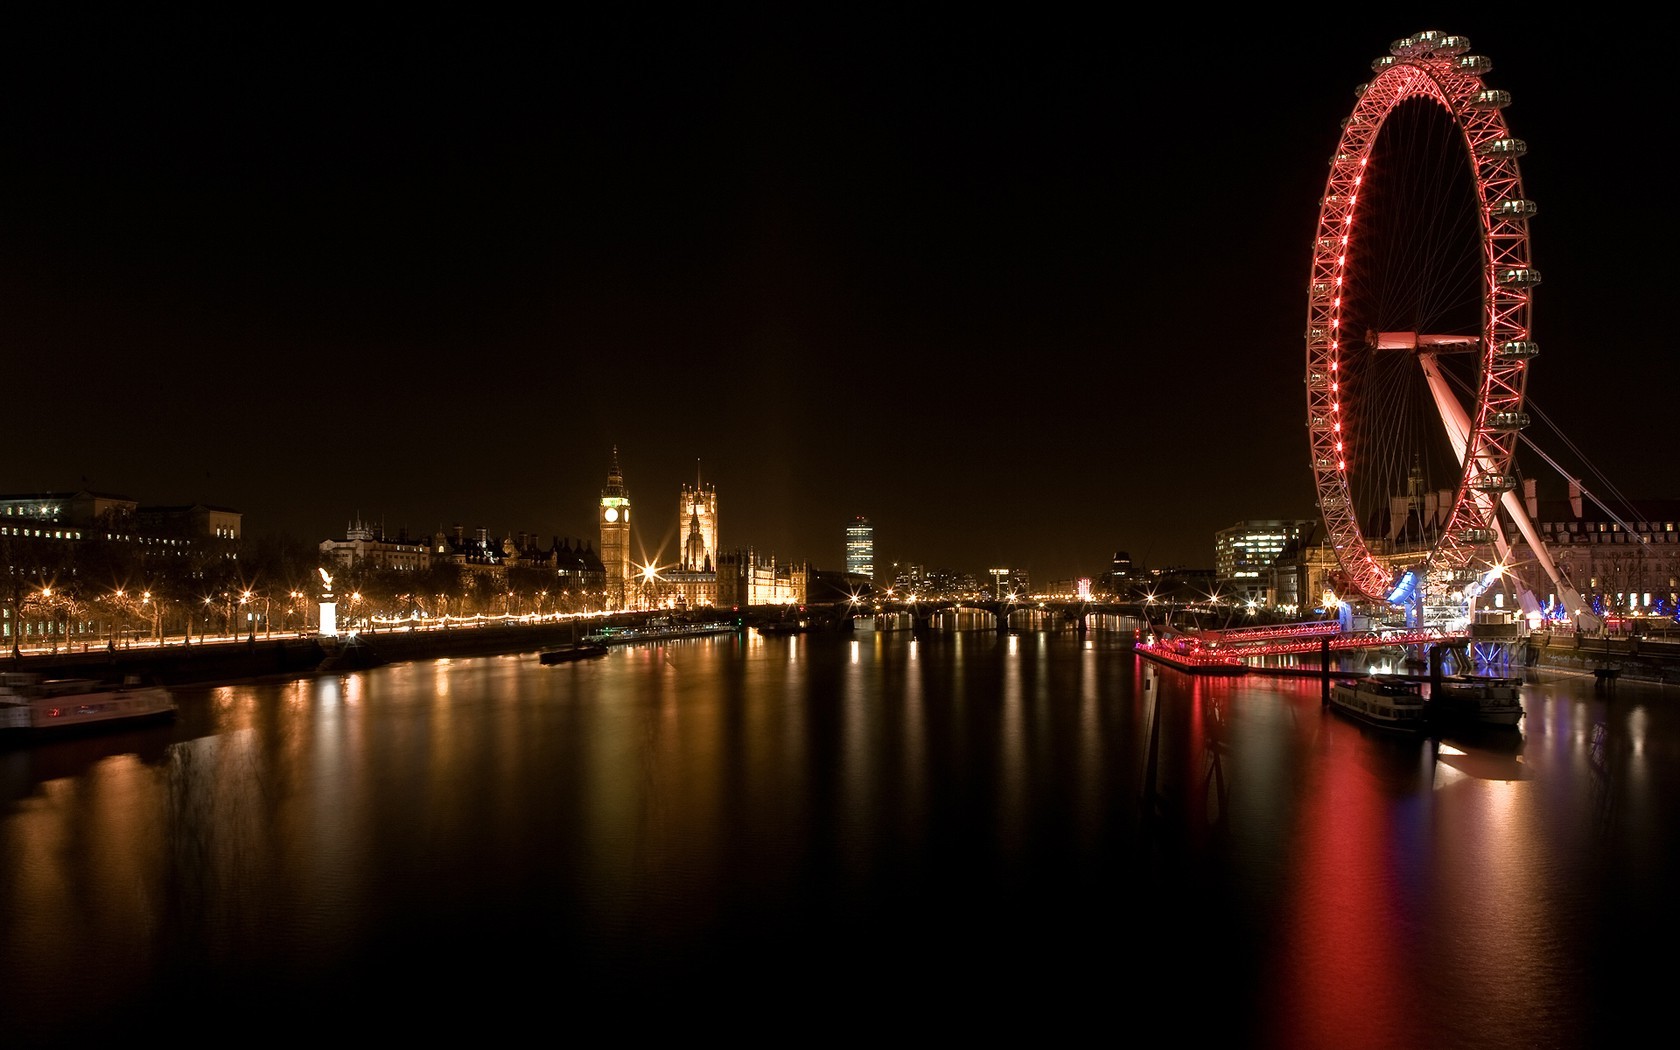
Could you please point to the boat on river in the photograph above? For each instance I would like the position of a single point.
(661, 629)
(1394, 704)
(1479, 701)
(31, 705)
(565, 654)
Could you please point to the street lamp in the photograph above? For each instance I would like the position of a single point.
(115, 628)
(650, 593)
(154, 613)
(52, 619)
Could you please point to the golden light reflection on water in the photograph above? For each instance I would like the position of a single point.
(869, 781)
(915, 745)
(647, 804)
(80, 899)
(1091, 743)
(1011, 747)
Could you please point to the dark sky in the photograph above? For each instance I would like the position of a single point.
(1024, 290)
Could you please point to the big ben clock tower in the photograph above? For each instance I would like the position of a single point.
(615, 535)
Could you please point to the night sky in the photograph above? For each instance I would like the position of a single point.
(1023, 290)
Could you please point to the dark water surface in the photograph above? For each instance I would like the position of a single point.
(870, 836)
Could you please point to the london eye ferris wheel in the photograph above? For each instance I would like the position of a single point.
(1419, 337)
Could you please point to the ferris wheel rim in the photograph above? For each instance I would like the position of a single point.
(1433, 67)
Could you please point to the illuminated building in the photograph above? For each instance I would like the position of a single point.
(746, 580)
(860, 548)
(693, 583)
(366, 546)
(71, 515)
(1623, 561)
(909, 577)
(1076, 589)
(1009, 582)
(478, 553)
(571, 572)
(42, 536)
(615, 537)
(194, 521)
(577, 570)
(913, 579)
(1244, 554)
(697, 514)
(1122, 576)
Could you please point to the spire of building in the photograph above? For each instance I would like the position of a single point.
(694, 550)
(615, 477)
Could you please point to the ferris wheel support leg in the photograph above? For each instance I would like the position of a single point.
(1457, 424)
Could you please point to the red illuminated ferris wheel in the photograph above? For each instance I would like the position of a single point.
(1418, 335)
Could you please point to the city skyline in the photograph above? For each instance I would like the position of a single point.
(1023, 293)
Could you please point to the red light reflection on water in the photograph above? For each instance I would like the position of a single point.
(1342, 975)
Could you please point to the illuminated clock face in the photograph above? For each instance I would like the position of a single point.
(611, 514)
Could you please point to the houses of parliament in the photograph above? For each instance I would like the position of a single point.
(705, 575)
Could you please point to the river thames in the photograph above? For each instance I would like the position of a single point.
(871, 835)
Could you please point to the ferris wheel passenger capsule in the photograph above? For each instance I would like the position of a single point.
(1502, 148)
(1490, 98)
(1517, 350)
(1494, 483)
(1475, 65)
(1516, 209)
(1407, 46)
(1519, 277)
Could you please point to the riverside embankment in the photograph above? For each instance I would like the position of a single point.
(235, 660)
(1642, 659)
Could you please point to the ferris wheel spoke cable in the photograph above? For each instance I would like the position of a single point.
(1530, 443)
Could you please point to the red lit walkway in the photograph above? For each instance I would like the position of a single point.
(1229, 651)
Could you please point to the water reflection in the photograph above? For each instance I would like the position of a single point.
(1028, 815)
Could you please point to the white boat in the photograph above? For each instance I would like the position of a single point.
(1386, 703)
(31, 704)
(1476, 700)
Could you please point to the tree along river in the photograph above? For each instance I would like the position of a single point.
(874, 834)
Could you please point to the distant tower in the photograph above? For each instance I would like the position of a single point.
(1120, 575)
(860, 548)
(697, 516)
(615, 535)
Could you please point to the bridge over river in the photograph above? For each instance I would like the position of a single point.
(1174, 635)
